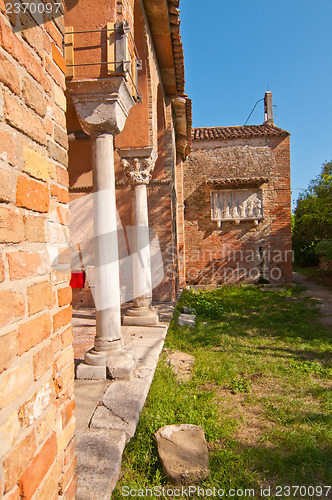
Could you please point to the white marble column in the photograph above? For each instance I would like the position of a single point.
(107, 285)
(138, 165)
(102, 107)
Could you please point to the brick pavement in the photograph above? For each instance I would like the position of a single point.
(84, 325)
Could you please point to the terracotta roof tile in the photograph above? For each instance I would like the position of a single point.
(240, 131)
(237, 181)
(178, 59)
(174, 21)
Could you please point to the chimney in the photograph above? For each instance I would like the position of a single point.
(268, 108)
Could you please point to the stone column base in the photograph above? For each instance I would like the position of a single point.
(118, 363)
(141, 316)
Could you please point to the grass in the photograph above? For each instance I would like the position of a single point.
(261, 390)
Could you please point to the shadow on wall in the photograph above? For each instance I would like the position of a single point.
(260, 258)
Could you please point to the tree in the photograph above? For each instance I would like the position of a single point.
(313, 217)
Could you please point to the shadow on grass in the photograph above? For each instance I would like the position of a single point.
(309, 465)
(309, 356)
(214, 334)
(311, 418)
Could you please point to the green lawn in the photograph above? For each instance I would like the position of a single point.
(261, 389)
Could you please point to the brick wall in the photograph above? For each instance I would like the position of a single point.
(244, 252)
(161, 221)
(37, 453)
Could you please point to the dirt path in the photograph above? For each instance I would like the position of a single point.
(319, 293)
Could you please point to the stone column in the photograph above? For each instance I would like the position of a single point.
(138, 165)
(102, 107)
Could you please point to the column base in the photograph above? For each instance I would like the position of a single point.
(119, 363)
(141, 316)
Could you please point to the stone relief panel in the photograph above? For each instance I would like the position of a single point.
(236, 204)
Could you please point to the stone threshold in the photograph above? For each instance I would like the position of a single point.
(107, 414)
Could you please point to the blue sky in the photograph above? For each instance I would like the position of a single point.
(235, 50)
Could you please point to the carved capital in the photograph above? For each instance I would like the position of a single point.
(138, 170)
(138, 163)
(102, 105)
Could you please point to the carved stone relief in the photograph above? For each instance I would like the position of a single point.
(138, 170)
(236, 204)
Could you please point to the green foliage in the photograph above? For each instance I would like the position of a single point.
(315, 367)
(240, 384)
(313, 217)
(324, 248)
(292, 222)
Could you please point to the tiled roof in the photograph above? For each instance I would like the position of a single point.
(242, 132)
(237, 181)
(176, 44)
(177, 47)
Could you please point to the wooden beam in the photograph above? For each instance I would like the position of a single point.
(69, 51)
(110, 53)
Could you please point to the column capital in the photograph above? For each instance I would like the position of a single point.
(138, 163)
(102, 105)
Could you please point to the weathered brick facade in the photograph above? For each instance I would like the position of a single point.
(39, 131)
(235, 159)
(37, 453)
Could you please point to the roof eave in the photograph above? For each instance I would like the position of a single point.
(163, 18)
(158, 17)
(237, 132)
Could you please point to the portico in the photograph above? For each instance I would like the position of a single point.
(128, 125)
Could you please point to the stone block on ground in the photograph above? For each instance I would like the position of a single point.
(188, 310)
(122, 404)
(88, 394)
(181, 364)
(183, 453)
(187, 320)
(90, 372)
(99, 454)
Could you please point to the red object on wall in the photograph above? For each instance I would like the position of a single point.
(77, 279)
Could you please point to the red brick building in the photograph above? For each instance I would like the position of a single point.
(160, 119)
(236, 206)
